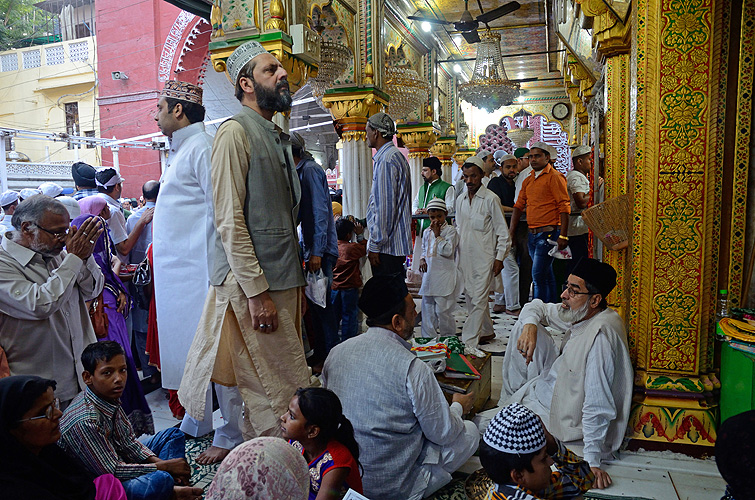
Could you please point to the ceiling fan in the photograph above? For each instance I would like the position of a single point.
(467, 24)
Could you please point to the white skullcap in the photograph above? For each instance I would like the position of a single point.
(28, 193)
(74, 210)
(516, 430)
(546, 147)
(8, 197)
(483, 153)
(474, 160)
(437, 204)
(242, 55)
(50, 189)
(580, 151)
(505, 157)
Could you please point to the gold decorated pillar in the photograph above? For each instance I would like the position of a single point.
(462, 154)
(444, 148)
(350, 108)
(417, 138)
(676, 191)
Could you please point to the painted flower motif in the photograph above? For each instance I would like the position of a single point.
(687, 27)
(685, 68)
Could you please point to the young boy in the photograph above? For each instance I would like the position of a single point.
(346, 276)
(439, 244)
(95, 430)
(517, 452)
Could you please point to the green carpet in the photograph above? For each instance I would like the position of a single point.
(201, 475)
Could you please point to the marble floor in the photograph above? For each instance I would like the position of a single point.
(640, 474)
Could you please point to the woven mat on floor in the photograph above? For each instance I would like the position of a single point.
(201, 475)
(452, 491)
(593, 495)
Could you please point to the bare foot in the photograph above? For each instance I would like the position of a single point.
(212, 455)
(187, 493)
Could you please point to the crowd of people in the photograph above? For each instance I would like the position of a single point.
(201, 284)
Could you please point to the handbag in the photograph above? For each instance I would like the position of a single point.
(98, 317)
(141, 291)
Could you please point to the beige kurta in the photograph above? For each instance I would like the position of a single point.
(266, 367)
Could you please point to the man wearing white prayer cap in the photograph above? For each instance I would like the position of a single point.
(27, 193)
(546, 200)
(50, 189)
(9, 202)
(74, 210)
(249, 334)
(578, 186)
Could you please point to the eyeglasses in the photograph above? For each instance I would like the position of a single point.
(56, 234)
(49, 412)
(573, 293)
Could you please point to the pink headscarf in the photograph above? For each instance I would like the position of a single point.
(92, 205)
(261, 469)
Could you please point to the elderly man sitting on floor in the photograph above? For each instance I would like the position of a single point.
(583, 390)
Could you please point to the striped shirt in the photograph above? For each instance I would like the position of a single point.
(389, 215)
(99, 434)
(572, 478)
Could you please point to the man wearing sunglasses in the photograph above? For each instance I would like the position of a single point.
(583, 389)
(44, 323)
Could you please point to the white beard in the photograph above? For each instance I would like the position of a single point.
(573, 315)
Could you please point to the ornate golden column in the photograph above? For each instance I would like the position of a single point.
(444, 148)
(417, 138)
(462, 154)
(350, 108)
(676, 190)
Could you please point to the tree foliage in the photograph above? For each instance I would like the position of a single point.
(20, 20)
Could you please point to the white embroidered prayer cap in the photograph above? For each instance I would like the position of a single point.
(505, 157)
(242, 55)
(475, 160)
(515, 429)
(28, 193)
(50, 189)
(8, 197)
(438, 204)
(546, 147)
(581, 150)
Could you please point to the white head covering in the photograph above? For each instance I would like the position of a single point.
(546, 147)
(115, 179)
(483, 153)
(505, 157)
(516, 430)
(437, 204)
(261, 469)
(28, 193)
(8, 197)
(475, 160)
(242, 55)
(50, 189)
(581, 150)
(74, 210)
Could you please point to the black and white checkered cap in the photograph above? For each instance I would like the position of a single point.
(515, 429)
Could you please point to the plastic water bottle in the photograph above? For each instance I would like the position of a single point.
(722, 311)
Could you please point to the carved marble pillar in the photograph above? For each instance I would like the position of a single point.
(444, 148)
(350, 108)
(417, 138)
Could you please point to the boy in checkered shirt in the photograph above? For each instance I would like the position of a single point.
(517, 452)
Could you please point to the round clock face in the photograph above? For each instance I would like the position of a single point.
(560, 111)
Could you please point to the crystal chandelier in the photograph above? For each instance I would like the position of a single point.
(335, 60)
(407, 89)
(489, 88)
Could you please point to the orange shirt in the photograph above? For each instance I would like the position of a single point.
(545, 197)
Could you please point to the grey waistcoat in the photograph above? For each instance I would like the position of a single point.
(368, 373)
(271, 206)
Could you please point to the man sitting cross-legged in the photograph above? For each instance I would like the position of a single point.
(517, 452)
(95, 430)
(583, 390)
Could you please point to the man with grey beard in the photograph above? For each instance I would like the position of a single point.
(583, 389)
(44, 323)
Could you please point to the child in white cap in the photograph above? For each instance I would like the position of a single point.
(517, 452)
(439, 243)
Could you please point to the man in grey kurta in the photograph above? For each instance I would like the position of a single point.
(44, 324)
(249, 334)
(410, 439)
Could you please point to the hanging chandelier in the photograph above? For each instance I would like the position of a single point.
(407, 89)
(522, 134)
(489, 88)
(335, 59)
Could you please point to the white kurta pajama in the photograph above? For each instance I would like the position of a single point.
(600, 407)
(439, 282)
(483, 239)
(184, 239)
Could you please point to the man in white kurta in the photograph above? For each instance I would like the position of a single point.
(184, 240)
(483, 244)
(583, 390)
(438, 265)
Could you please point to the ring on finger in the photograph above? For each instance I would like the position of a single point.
(91, 241)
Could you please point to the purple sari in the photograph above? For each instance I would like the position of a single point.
(133, 401)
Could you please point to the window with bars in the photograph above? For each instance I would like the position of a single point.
(72, 120)
(89, 133)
